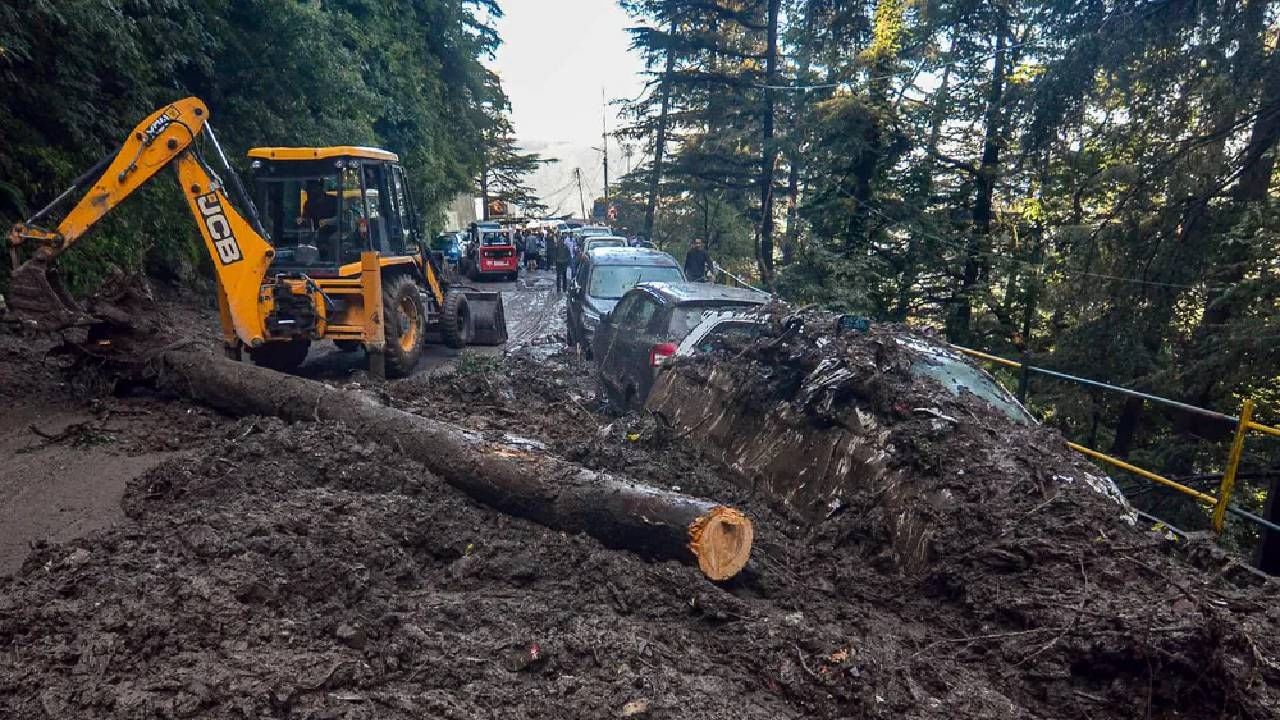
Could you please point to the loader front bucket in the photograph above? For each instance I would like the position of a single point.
(488, 323)
(37, 295)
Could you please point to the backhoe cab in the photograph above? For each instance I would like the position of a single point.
(348, 251)
(336, 253)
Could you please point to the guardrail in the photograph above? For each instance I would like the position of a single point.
(1244, 424)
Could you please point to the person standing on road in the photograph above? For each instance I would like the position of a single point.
(697, 262)
(519, 243)
(561, 255)
(572, 244)
(532, 250)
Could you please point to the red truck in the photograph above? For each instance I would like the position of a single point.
(491, 252)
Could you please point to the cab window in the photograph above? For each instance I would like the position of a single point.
(377, 201)
(400, 199)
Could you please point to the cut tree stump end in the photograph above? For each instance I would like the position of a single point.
(721, 541)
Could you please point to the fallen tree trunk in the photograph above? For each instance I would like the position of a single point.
(506, 476)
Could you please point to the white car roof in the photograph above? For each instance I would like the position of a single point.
(713, 318)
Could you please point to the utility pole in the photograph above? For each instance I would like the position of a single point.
(582, 202)
(604, 138)
(628, 152)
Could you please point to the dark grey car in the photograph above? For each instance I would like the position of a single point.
(604, 276)
(646, 327)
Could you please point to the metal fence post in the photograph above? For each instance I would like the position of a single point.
(1233, 464)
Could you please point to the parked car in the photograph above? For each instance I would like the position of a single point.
(592, 242)
(719, 325)
(448, 248)
(646, 328)
(603, 277)
(594, 231)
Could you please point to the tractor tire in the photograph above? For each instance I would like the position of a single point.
(284, 356)
(455, 320)
(348, 346)
(404, 322)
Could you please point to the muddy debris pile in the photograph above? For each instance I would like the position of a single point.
(308, 570)
(916, 472)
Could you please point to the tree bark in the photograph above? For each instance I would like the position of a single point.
(506, 476)
(924, 194)
(769, 152)
(960, 323)
(1237, 258)
(660, 137)
(792, 237)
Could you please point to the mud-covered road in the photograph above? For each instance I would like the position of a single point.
(61, 490)
(535, 315)
(158, 560)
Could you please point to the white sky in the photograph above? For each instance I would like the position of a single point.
(555, 57)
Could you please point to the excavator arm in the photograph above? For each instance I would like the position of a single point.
(239, 252)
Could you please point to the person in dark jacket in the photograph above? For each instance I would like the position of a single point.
(697, 262)
(562, 253)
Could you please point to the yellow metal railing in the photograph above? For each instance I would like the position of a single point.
(1221, 504)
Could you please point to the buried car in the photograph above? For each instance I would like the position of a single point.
(644, 330)
(890, 423)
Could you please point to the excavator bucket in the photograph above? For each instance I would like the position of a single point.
(488, 323)
(36, 294)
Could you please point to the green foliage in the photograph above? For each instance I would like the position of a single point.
(75, 75)
(505, 168)
(1090, 183)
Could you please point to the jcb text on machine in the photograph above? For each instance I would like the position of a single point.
(336, 253)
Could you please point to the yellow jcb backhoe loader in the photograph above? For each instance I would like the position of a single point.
(337, 252)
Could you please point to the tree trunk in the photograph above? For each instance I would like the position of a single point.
(660, 137)
(508, 477)
(792, 238)
(959, 327)
(794, 160)
(924, 194)
(1127, 427)
(1236, 259)
(769, 153)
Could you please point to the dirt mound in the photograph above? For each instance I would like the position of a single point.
(1015, 548)
(302, 571)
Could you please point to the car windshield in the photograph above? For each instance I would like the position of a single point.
(494, 238)
(684, 318)
(958, 376)
(443, 243)
(610, 282)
